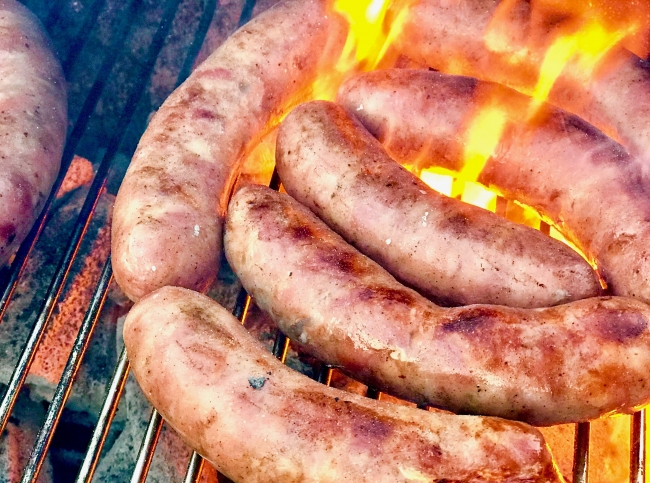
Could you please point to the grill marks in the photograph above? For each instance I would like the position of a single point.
(620, 326)
(365, 427)
(387, 295)
(366, 430)
(472, 321)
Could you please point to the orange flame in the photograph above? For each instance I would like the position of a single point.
(587, 47)
(374, 27)
(481, 139)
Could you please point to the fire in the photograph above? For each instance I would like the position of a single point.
(582, 40)
(481, 139)
(371, 31)
(587, 47)
(374, 26)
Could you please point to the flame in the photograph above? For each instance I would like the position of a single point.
(374, 25)
(586, 48)
(482, 137)
(454, 185)
(371, 33)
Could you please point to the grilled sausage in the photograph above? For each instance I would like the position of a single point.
(33, 122)
(466, 37)
(169, 210)
(570, 172)
(256, 420)
(452, 252)
(569, 363)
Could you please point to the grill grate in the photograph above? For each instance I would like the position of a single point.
(131, 122)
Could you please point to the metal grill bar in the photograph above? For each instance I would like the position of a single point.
(581, 453)
(69, 372)
(82, 36)
(53, 14)
(145, 456)
(106, 415)
(201, 32)
(194, 468)
(638, 448)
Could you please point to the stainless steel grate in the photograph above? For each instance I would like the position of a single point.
(129, 124)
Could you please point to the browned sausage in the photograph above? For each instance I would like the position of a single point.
(569, 363)
(258, 421)
(465, 37)
(454, 253)
(33, 122)
(569, 171)
(169, 210)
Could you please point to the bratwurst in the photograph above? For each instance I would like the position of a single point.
(571, 173)
(452, 252)
(33, 122)
(569, 363)
(257, 421)
(167, 224)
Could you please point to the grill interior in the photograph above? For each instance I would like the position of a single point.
(121, 59)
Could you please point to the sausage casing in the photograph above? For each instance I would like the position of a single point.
(167, 224)
(258, 421)
(454, 253)
(568, 363)
(33, 122)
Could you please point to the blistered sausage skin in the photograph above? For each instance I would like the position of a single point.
(452, 252)
(486, 38)
(33, 122)
(167, 224)
(569, 363)
(258, 421)
(570, 172)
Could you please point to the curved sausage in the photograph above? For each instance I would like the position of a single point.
(569, 363)
(169, 210)
(257, 421)
(452, 252)
(33, 122)
(570, 172)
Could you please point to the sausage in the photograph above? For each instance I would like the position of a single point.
(33, 123)
(257, 421)
(569, 363)
(169, 210)
(597, 193)
(486, 38)
(452, 252)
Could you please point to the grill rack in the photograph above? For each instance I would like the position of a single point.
(10, 276)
